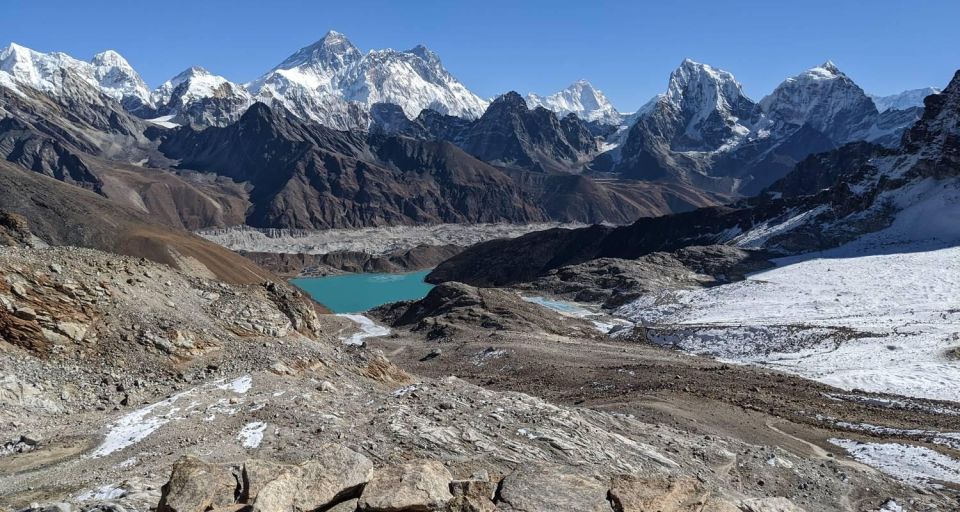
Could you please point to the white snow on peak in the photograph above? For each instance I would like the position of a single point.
(201, 84)
(333, 83)
(580, 98)
(108, 72)
(706, 100)
(903, 100)
(118, 78)
(826, 71)
(824, 98)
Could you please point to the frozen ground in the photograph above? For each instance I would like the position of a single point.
(374, 241)
(879, 314)
(917, 465)
(368, 329)
(600, 321)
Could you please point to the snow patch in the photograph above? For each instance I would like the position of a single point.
(103, 493)
(368, 329)
(252, 434)
(915, 465)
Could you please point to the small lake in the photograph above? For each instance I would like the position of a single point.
(355, 293)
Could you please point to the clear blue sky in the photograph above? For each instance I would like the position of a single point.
(626, 48)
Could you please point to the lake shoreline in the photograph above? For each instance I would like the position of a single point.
(357, 293)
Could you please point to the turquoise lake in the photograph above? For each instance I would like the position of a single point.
(354, 293)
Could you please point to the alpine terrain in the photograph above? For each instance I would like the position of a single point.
(714, 303)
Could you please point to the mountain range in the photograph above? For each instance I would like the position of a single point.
(334, 137)
(899, 199)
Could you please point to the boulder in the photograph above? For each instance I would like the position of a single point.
(473, 495)
(769, 505)
(255, 474)
(635, 493)
(543, 487)
(336, 474)
(196, 486)
(415, 486)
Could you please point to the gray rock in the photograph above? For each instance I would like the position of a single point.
(543, 488)
(197, 486)
(415, 486)
(635, 493)
(769, 505)
(473, 495)
(335, 473)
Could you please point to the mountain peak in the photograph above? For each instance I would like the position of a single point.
(509, 99)
(580, 98)
(110, 58)
(333, 51)
(13, 54)
(692, 80)
(191, 72)
(424, 53)
(826, 71)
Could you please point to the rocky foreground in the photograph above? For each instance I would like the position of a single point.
(130, 386)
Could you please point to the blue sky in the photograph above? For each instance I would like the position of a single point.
(626, 48)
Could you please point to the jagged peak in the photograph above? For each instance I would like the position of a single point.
(692, 78)
(831, 67)
(826, 71)
(191, 72)
(14, 48)
(15, 53)
(424, 53)
(511, 98)
(332, 50)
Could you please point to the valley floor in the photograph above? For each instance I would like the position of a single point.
(372, 241)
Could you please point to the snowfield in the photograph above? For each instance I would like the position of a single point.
(879, 314)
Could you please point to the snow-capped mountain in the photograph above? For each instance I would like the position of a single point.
(904, 100)
(824, 98)
(705, 130)
(333, 83)
(706, 106)
(46, 72)
(580, 98)
(199, 97)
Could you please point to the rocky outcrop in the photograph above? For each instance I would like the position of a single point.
(197, 486)
(415, 486)
(336, 475)
(613, 282)
(546, 487)
(452, 307)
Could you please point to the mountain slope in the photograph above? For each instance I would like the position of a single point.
(62, 214)
(309, 176)
(904, 100)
